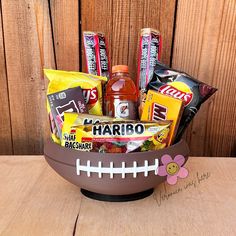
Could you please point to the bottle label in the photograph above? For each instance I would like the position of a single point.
(125, 109)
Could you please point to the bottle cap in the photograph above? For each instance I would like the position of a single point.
(120, 68)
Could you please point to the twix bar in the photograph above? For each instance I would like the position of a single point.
(149, 53)
(96, 54)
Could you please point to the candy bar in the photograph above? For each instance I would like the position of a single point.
(162, 107)
(122, 136)
(74, 119)
(70, 100)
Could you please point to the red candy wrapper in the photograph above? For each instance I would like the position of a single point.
(149, 54)
(96, 54)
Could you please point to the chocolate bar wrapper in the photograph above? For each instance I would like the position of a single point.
(69, 100)
(162, 107)
(96, 54)
(75, 119)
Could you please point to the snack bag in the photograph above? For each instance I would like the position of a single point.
(182, 86)
(118, 137)
(66, 100)
(149, 54)
(162, 107)
(91, 86)
(96, 54)
(53, 128)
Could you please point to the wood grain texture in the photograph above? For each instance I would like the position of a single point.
(205, 47)
(201, 210)
(96, 16)
(47, 57)
(24, 61)
(5, 119)
(65, 18)
(111, 17)
(46, 204)
(157, 14)
(120, 32)
(34, 200)
(121, 21)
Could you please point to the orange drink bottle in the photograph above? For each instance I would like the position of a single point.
(121, 94)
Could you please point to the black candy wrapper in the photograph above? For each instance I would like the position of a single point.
(181, 85)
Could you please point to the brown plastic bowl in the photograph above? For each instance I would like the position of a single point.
(106, 173)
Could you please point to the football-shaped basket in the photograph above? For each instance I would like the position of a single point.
(111, 173)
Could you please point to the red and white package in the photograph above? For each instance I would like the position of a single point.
(149, 54)
(96, 54)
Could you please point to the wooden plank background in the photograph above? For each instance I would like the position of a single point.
(198, 37)
(205, 47)
(5, 119)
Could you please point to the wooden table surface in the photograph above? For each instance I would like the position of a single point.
(34, 200)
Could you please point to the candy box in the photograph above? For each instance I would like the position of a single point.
(163, 107)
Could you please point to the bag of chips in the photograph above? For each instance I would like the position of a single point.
(118, 136)
(181, 86)
(91, 86)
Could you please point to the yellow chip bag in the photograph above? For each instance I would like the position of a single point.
(91, 86)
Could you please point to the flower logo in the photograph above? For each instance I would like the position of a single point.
(172, 168)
